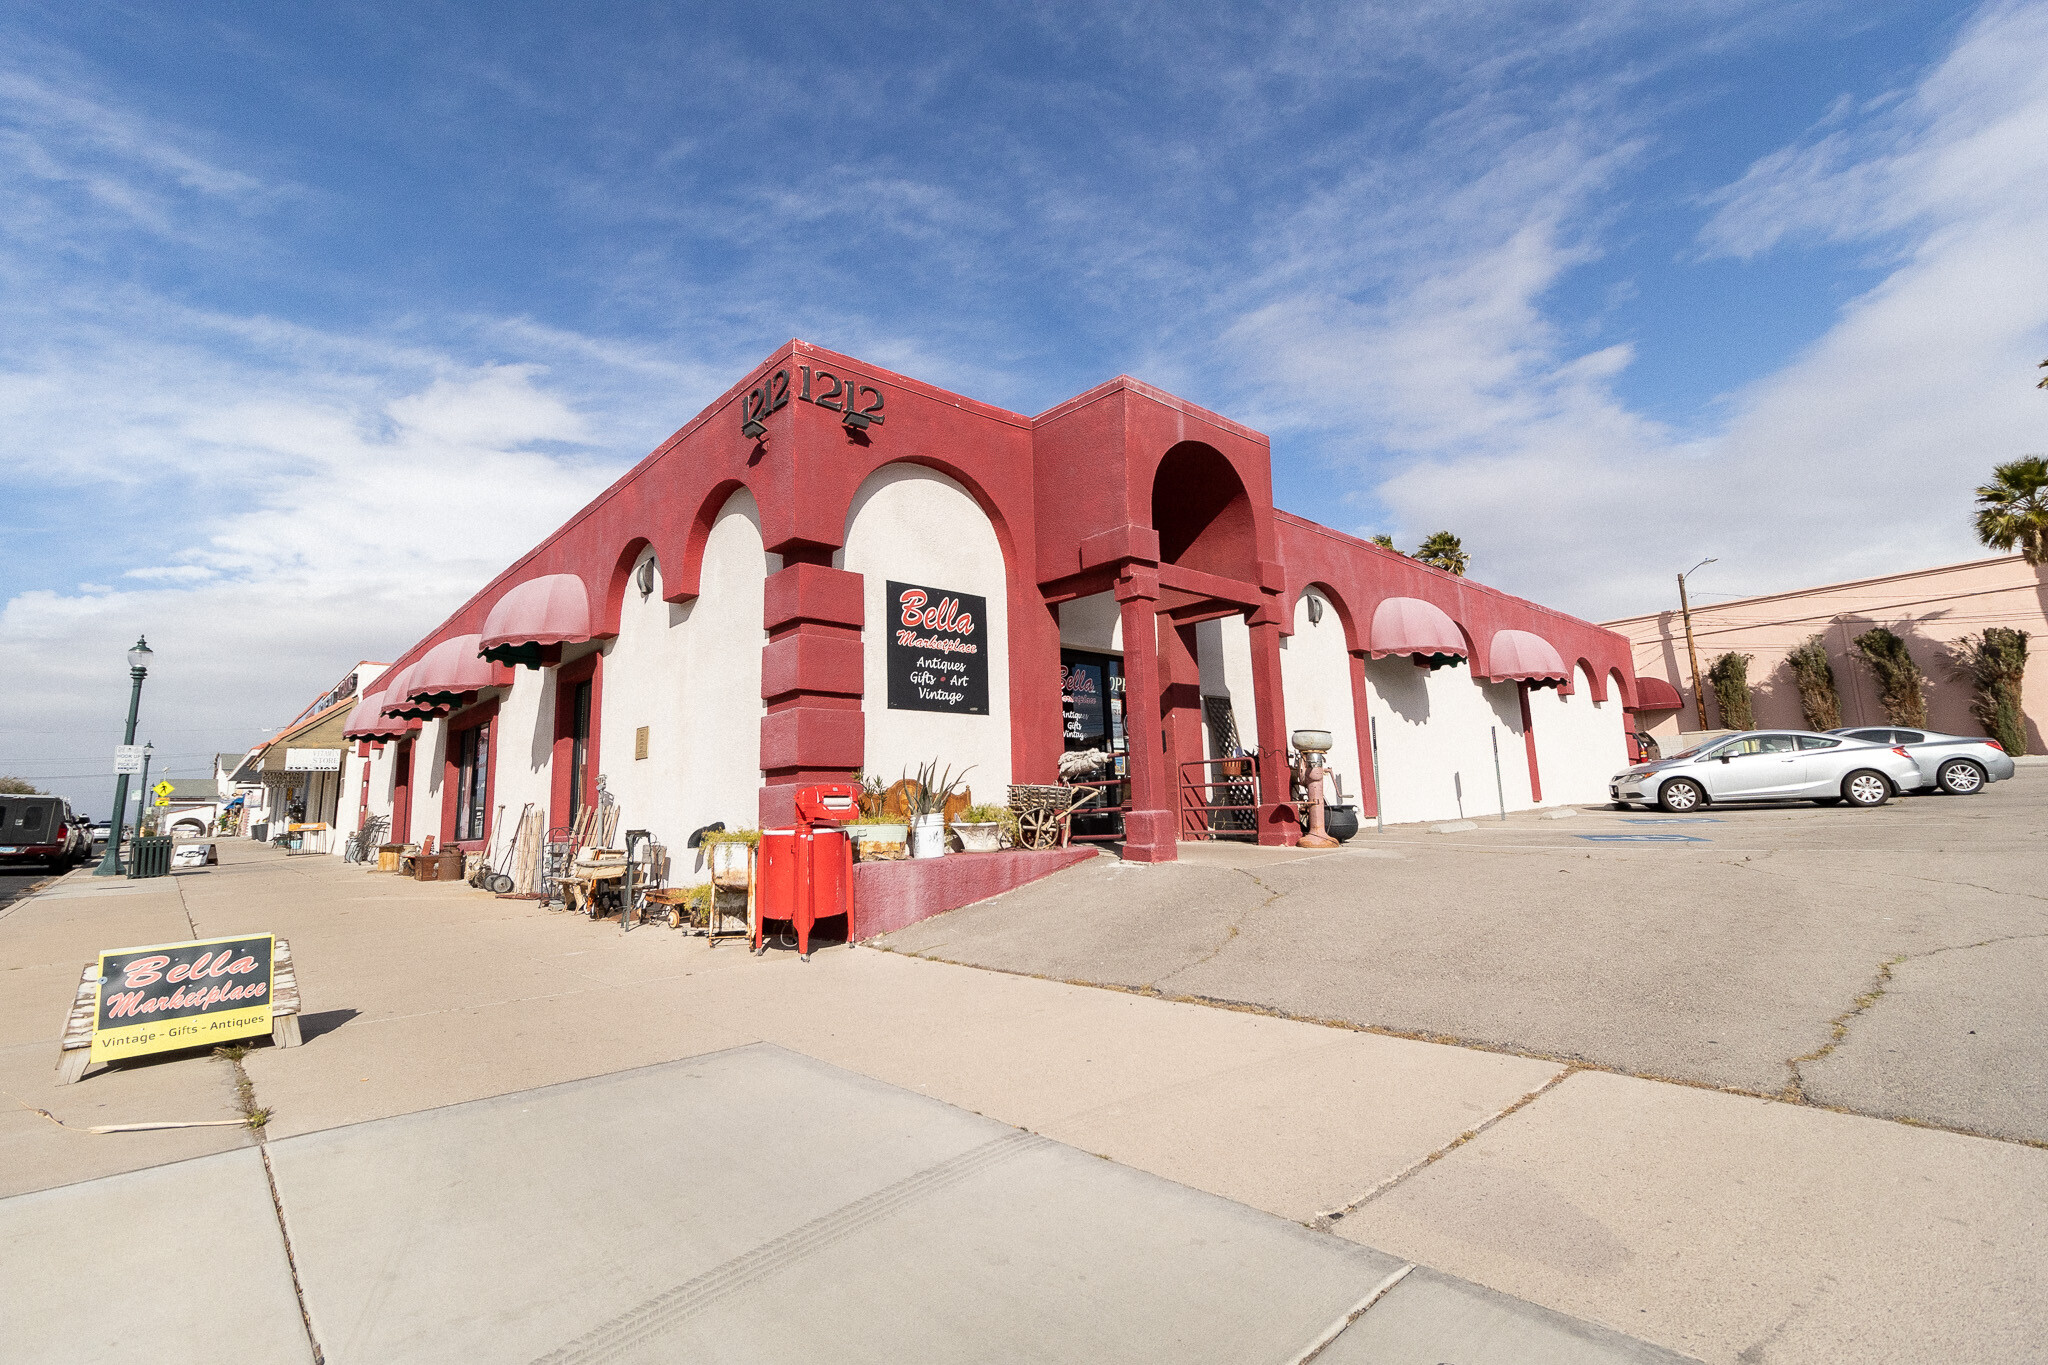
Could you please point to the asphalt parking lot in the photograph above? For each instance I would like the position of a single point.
(1889, 962)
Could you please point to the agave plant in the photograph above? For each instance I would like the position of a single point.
(929, 791)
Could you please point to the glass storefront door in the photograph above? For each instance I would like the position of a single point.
(1092, 701)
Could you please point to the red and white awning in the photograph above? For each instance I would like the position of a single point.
(1654, 694)
(450, 673)
(1523, 656)
(552, 610)
(368, 721)
(1409, 625)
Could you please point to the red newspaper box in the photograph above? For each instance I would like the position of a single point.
(806, 874)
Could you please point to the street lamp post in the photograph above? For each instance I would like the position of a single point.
(142, 797)
(138, 669)
(1699, 694)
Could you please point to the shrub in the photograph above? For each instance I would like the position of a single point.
(1818, 696)
(750, 837)
(981, 815)
(1729, 675)
(1995, 662)
(1901, 686)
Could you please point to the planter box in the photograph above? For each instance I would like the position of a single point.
(890, 896)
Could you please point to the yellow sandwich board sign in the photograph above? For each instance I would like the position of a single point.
(177, 995)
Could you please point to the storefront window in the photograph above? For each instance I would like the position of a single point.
(1092, 692)
(472, 781)
(579, 749)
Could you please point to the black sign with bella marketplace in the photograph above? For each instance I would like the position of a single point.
(938, 655)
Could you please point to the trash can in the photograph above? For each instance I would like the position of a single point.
(150, 856)
(805, 874)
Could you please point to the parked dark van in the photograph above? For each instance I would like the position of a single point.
(39, 829)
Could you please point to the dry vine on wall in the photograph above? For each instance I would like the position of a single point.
(1995, 662)
(1729, 676)
(1901, 686)
(1819, 698)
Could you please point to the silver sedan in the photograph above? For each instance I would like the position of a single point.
(1957, 764)
(1770, 765)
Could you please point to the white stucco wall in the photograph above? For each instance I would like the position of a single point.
(915, 525)
(1223, 649)
(1093, 623)
(1579, 743)
(1435, 733)
(429, 753)
(1315, 684)
(691, 674)
(349, 817)
(522, 743)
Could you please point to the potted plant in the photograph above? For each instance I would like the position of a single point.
(927, 795)
(725, 853)
(879, 837)
(980, 828)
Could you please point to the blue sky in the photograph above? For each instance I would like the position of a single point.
(314, 317)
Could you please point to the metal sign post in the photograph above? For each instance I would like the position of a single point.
(1499, 790)
(1379, 791)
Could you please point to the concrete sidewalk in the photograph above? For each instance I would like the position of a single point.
(750, 1205)
(1723, 1227)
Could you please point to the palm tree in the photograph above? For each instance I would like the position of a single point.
(2012, 510)
(1445, 551)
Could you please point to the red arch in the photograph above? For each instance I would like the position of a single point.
(1202, 509)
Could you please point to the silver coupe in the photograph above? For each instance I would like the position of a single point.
(1770, 765)
(1957, 764)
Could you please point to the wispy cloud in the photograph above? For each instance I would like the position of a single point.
(1473, 405)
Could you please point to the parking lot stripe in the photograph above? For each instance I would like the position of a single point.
(1646, 838)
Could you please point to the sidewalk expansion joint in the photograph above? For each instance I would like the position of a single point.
(1328, 1217)
(1358, 1310)
(245, 1098)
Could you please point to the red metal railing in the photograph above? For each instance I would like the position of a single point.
(1202, 815)
(1117, 789)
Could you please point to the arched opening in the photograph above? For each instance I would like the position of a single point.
(1203, 514)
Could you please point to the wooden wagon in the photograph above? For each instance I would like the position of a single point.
(1045, 812)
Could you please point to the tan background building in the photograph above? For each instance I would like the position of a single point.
(1929, 609)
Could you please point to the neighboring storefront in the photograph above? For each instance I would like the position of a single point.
(299, 773)
(1930, 610)
(837, 568)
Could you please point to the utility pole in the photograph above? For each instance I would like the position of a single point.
(1699, 693)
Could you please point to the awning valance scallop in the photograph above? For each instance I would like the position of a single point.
(551, 610)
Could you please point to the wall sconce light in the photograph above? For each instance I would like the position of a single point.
(646, 576)
(1315, 610)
